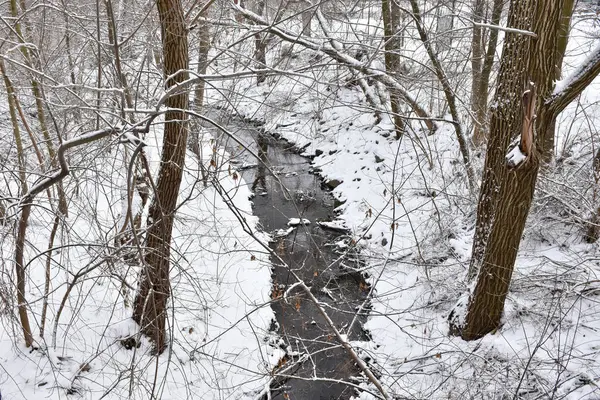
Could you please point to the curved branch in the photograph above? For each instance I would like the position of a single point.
(48, 181)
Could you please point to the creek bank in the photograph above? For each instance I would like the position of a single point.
(319, 253)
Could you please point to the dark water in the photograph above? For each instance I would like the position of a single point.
(310, 253)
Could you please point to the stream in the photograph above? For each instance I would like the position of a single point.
(310, 252)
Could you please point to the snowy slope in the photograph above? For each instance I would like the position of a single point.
(219, 311)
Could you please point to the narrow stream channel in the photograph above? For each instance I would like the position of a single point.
(309, 251)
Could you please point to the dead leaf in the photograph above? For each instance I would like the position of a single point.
(364, 287)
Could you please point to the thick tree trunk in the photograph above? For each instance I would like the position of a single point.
(154, 289)
(392, 15)
(507, 193)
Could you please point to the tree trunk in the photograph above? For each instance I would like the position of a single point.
(482, 64)
(561, 48)
(260, 45)
(392, 16)
(507, 193)
(306, 19)
(203, 49)
(24, 218)
(477, 50)
(154, 289)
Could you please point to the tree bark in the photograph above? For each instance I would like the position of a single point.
(306, 19)
(477, 50)
(203, 29)
(154, 289)
(260, 45)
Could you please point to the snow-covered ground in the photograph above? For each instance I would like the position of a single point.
(408, 207)
(219, 312)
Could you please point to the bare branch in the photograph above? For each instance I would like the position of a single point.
(64, 167)
(338, 55)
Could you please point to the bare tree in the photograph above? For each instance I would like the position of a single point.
(509, 180)
(154, 288)
(24, 216)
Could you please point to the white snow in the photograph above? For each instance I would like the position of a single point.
(219, 343)
(334, 225)
(298, 221)
(283, 232)
(412, 218)
(515, 157)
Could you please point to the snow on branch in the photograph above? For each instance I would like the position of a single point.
(567, 89)
(505, 29)
(336, 52)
